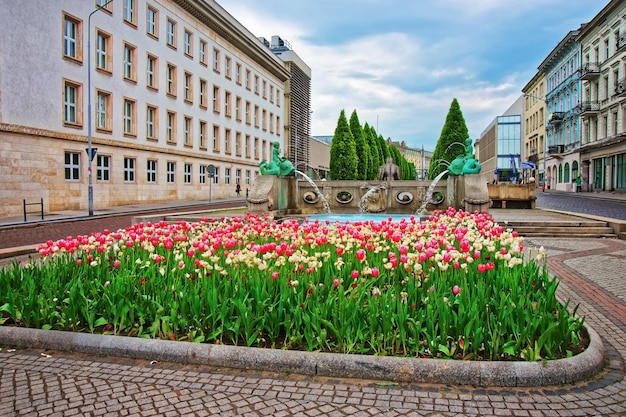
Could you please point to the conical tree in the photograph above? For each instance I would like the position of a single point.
(343, 157)
(375, 161)
(362, 147)
(383, 150)
(451, 141)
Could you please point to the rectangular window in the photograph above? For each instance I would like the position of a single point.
(72, 166)
(152, 126)
(202, 174)
(277, 125)
(247, 146)
(227, 103)
(129, 12)
(171, 33)
(247, 177)
(216, 60)
(171, 172)
(615, 124)
(103, 168)
(227, 140)
(238, 108)
(248, 105)
(263, 148)
(256, 116)
(256, 148)
(130, 57)
(238, 143)
(188, 87)
(103, 51)
(129, 169)
(216, 99)
(237, 176)
(203, 98)
(151, 171)
(203, 56)
(104, 5)
(227, 67)
(72, 38)
(226, 176)
(72, 103)
(152, 72)
(103, 111)
(264, 89)
(171, 127)
(247, 79)
(202, 134)
(171, 80)
(216, 175)
(216, 138)
(188, 137)
(152, 22)
(256, 85)
(130, 117)
(188, 44)
(264, 120)
(187, 176)
(238, 73)
(271, 122)
(271, 93)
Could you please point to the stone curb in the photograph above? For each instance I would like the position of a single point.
(405, 370)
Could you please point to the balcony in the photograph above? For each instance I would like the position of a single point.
(589, 108)
(621, 42)
(590, 71)
(556, 117)
(556, 149)
(620, 88)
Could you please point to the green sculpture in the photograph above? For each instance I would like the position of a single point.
(465, 164)
(278, 165)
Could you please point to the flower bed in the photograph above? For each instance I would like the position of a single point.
(454, 286)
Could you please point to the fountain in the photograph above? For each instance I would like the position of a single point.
(317, 191)
(373, 201)
(429, 193)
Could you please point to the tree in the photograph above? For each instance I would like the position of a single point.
(375, 161)
(451, 141)
(343, 157)
(362, 147)
(383, 151)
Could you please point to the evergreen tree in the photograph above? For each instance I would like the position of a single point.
(375, 161)
(383, 150)
(343, 157)
(451, 141)
(362, 147)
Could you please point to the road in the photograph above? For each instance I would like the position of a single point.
(584, 203)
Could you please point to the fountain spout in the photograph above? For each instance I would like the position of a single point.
(327, 209)
(429, 193)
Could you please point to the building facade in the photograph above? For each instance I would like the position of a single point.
(534, 147)
(158, 90)
(603, 106)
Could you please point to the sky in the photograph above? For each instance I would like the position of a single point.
(400, 63)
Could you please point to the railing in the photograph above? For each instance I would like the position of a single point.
(556, 117)
(589, 106)
(620, 87)
(590, 70)
(621, 41)
(40, 204)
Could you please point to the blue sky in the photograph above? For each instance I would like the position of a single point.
(401, 63)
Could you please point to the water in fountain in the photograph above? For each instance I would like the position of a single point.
(365, 198)
(429, 193)
(317, 191)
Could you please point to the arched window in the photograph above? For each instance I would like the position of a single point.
(575, 169)
(560, 173)
(567, 172)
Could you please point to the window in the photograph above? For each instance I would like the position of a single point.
(277, 125)
(227, 67)
(256, 116)
(152, 22)
(216, 99)
(216, 138)
(238, 73)
(256, 85)
(256, 148)
(238, 143)
(271, 122)
(152, 72)
(263, 148)
(72, 166)
(129, 169)
(227, 103)
(171, 33)
(203, 98)
(130, 57)
(271, 94)
(237, 176)
(216, 60)
(247, 146)
(247, 177)
(104, 5)
(187, 131)
(171, 172)
(188, 87)
(171, 127)
(248, 79)
(227, 140)
(103, 51)
(103, 111)
(72, 107)
(238, 108)
(129, 117)
(151, 171)
(152, 126)
(607, 51)
(103, 168)
(216, 175)
(226, 176)
(187, 176)
(129, 12)
(203, 56)
(264, 120)
(188, 44)
(264, 89)
(615, 123)
(72, 38)
(248, 105)
(202, 134)
(202, 174)
(171, 80)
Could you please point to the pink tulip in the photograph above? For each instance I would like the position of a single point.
(456, 290)
(360, 254)
(116, 263)
(375, 272)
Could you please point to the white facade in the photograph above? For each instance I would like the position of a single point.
(176, 85)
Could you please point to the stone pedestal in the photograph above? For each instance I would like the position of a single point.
(472, 192)
(272, 194)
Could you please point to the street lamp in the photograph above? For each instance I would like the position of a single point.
(91, 152)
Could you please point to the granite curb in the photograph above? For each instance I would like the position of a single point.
(403, 370)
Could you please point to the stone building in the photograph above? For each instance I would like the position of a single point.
(157, 90)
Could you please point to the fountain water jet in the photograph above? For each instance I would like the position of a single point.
(429, 193)
(327, 209)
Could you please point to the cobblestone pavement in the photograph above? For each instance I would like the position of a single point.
(592, 273)
(611, 205)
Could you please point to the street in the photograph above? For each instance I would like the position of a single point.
(585, 203)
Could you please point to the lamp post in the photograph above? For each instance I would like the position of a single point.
(91, 152)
